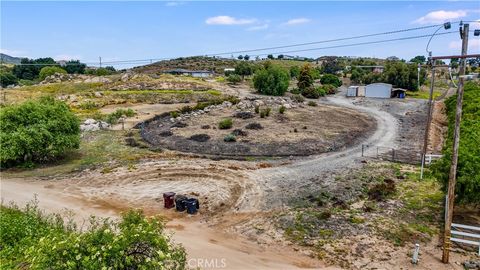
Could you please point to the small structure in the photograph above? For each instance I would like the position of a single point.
(356, 91)
(378, 90)
(398, 93)
(193, 73)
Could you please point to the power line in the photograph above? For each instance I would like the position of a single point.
(332, 40)
(149, 60)
(357, 44)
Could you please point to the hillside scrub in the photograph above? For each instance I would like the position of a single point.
(37, 131)
(467, 189)
(34, 240)
(271, 80)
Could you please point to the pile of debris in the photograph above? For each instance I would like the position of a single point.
(93, 125)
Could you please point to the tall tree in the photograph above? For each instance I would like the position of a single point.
(305, 79)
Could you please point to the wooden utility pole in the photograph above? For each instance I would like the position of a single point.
(456, 139)
(429, 118)
(100, 61)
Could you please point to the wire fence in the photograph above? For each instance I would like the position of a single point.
(392, 154)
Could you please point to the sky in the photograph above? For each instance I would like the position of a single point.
(119, 31)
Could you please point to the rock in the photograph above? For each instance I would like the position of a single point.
(90, 121)
(472, 264)
(97, 80)
(172, 120)
(98, 94)
(125, 77)
(287, 106)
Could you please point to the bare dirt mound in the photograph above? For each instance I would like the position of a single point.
(299, 131)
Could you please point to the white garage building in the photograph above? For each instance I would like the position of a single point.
(378, 90)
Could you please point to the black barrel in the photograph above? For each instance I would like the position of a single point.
(180, 202)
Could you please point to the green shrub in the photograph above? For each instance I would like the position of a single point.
(37, 131)
(312, 103)
(262, 114)
(321, 91)
(225, 123)
(311, 92)
(331, 79)
(298, 98)
(34, 240)
(174, 114)
(89, 105)
(257, 109)
(115, 116)
(234, 78)
(230, 138)
(282, 109)
(467, 188)
(271, 81)
(103, 72)
(329, 89)
(295, 91)
(267, 111)
(186, 109)
(50, 70)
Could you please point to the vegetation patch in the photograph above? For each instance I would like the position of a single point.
(34, 240)
(225, 123)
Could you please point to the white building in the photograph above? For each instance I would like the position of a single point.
(378, 90)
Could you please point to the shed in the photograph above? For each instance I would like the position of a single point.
(378, 90)
(352, 91)
(356, 91)
(399, 92)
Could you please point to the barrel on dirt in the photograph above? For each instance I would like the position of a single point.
(180, 202)
(192, 205)
(168, 199)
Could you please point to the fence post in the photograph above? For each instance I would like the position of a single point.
(362, 150)
(393, 154)
(377, 152)
(423, 163)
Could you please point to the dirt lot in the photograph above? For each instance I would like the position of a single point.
(299, 131)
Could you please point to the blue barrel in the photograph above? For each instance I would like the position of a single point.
(192, 205)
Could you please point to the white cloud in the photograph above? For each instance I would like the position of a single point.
(66, 57)
(297, 21)
(441, 16)
(228, 20)
(174, 4)
(258, 27)
(473, 44)
(16, 53)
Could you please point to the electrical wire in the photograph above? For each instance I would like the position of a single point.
(139, 61)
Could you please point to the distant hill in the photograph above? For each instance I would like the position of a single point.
(192, 63)
(7, 59)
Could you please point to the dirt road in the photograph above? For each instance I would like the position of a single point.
(244, 191)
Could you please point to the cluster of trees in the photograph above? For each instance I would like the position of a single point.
(397, 73)
(271, 80)
(40, 68)
(37, 131)
(306, 79)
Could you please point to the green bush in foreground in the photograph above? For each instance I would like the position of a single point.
(37, 131)
(33, 240)
(468, 170)
(331, 79)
